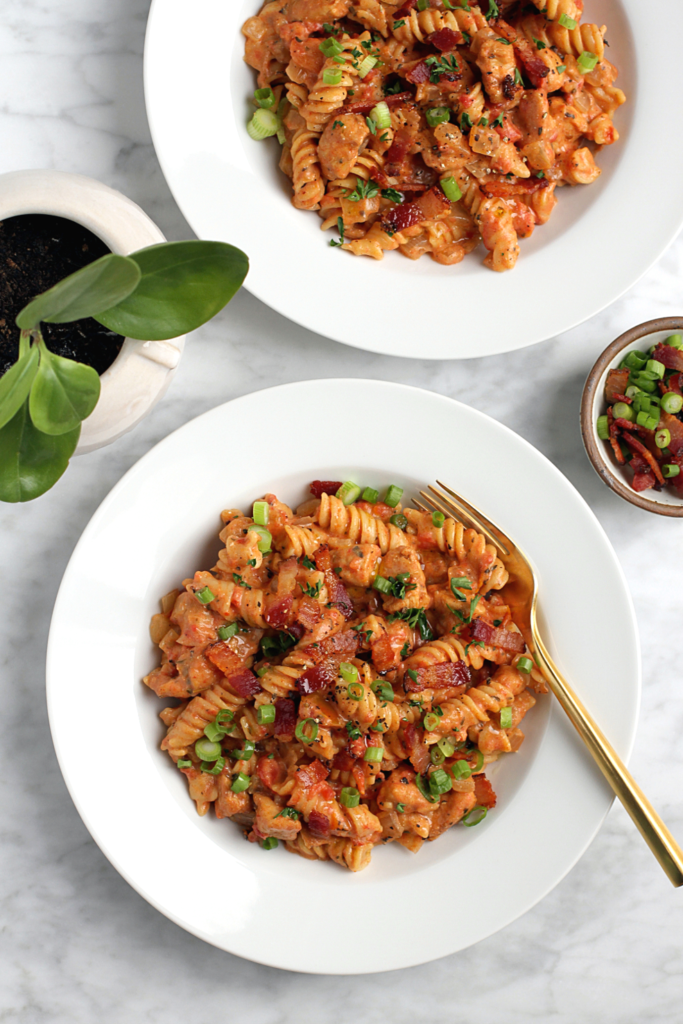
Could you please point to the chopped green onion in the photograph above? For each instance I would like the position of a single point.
(586, 62)
(439, 782)
(205, 595)
(349, 796)
(354, 691)
(674, 340)
(663, 438)
(634, 361)
(644, 383)
(422, 5)
(450, 188)
(266, 541)
(384, 586)
(566, 21)
(260, 513)
(240, 783)
(373, 754)
(348, 492)
(461, 581)
(348, 672)
(212, 769)
(265, 714)
(603, 428)
(398, 519)
(184, 764)
(262, 670)
(330, 47)
(263, 124)
(524, 665)
(430, 721)
(207, 750)
(245, 753)
(438, 519)
(400, 808)
(623, 411)
(301, 734)
(436, 756)
(446, 746)
(461, 770)
(288, 812)
(672, 402)
(366, 66)
(632, 391)
(644, 419)
(370, 494)
(437, 115)
(269, 843)
(480, 761)
(506, 718)
(654, 366)
(332, 76)
(474, 816)
(224, 716)
(670, 470)
(225, 632)
(265, 98)
(393, 496)
(381, 114)
(424, 789)
(214, 733)
(384, 689)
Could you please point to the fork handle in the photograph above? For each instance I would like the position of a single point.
(647, 821)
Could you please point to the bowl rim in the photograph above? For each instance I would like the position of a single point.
(596, 455)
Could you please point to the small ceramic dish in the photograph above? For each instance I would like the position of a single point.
(643, 336)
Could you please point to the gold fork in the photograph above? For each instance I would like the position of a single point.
(521, 594)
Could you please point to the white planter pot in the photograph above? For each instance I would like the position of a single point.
(142, 371)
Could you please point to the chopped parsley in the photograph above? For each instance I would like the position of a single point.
(353, 731)
(440, 66)
(287, 812)
(392, 90)
(340, 229)
(413, 674)
(497, 122)
(272, 646)
(473, 604)
(239, 581)
(312, 591)
(330, 29)
(308, 563)
(493, 11)
(363, 190)
(540, 45)
(405, 650)
(465, 123)
(372, 125)
(399, 24)
(416, 619)
(392, 194)
(518, 77)
(338, 124)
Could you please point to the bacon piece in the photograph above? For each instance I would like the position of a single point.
(320, 487)
(340, 647)
(445, 39)
(396, 153)
(404, 11)
(623, 398)
(319, 825)
(432, 204)
(343, 761)
(516, 187)
(309, 612)
(224, 657)
(419, 74)
(508, 130)
(614, 437)
(536, 68)
(285, 718)
(671, 357)
(418, 755)
(674, 383)
(245, 683)
(311, 774)
(493, 637)
(616, 384)
(677, 481)
(397, 98)
(270, 771)
(337, 592)
(675, 428)
(278, 612)
(636, 446)
(483, 791)
(318, 677)
(642, 481)
(452, 674)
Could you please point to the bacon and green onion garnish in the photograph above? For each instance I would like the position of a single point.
(644, 419)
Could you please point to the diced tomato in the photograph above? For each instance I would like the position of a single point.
(493, 637)
(311, 774)
(245, 683)
(616, 384)
(319, 825)
(270, 771)
(285, 717)
(320, 487)
(452, 674)
(432, 204)
(670, 357)
(278, 611)
(483, 791)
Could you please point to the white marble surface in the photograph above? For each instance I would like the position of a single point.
(77, 944)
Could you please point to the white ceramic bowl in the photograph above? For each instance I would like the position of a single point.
(666, 502)
(142, 371)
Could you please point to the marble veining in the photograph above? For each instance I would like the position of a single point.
(77, 943)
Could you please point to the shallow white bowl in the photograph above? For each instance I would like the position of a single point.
(597, 243)
(143, 370)
(273, 907)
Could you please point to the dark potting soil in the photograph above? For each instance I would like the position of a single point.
(37, 251)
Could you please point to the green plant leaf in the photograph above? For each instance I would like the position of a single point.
(15, 385)
(90, 290)
(30, 461)
(183, 285)
(64, 392)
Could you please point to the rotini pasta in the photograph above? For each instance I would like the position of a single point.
(345, 674)
(428, 129)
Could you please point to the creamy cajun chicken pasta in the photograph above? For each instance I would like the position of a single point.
(428, 126)
(345, 674)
